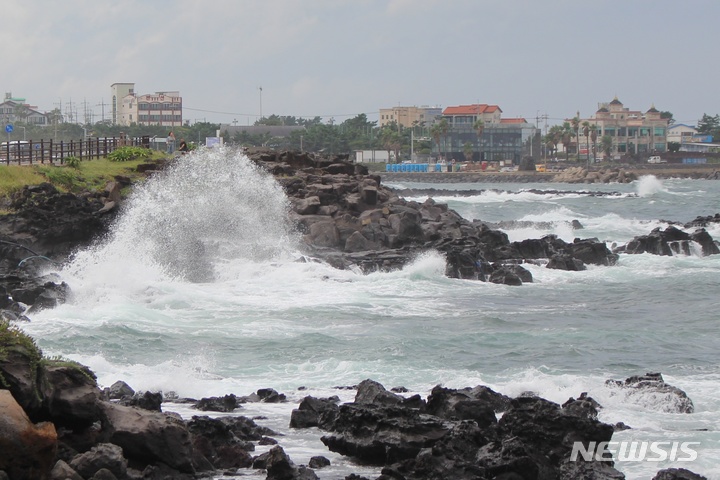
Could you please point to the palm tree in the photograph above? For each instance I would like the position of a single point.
(593, 137)
(575, 122)
(586, 132)
(566, 139)
(479, 127)
(554, 137)
(444, 128)
(436, 133)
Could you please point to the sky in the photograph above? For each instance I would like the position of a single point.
(235, 60)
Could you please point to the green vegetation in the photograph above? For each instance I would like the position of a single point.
(62, 362)
(709, 125)
(14, 178)
(126, 154)
(77, 177)
(72, 162)
(14, 339)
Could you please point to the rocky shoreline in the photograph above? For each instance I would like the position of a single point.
(60, 424)
(572, 174)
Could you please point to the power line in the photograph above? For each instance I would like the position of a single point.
(258, 116)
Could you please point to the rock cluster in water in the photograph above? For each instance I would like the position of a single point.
(349, 218)
(58, 424)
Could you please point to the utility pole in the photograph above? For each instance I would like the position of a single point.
(539, 117)
(102, 108)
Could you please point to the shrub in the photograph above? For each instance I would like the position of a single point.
(67, 179)
(72, 162)
(125, 154)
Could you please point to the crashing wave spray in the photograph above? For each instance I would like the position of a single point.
(211, 206)
(649, 185)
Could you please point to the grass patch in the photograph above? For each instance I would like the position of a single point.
(14, 178)
(77, 177)
(12, 338)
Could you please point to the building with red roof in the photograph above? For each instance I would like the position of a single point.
(498, 139)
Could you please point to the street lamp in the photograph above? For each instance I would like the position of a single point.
(261, 116)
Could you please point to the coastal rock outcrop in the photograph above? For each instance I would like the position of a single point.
(348, 218)
(453, 433)
(456, 434)
(583, 175)
(672, 241)
(27, 450)
(651, 390)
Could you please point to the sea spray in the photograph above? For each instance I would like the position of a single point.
(649, 185)
(211, 206)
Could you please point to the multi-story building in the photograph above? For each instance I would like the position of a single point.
(119, 92)
(17, 110)
(409, 117)
(500, 139)
(159, 108)
(631, 131)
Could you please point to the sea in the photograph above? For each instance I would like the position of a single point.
(203, 289)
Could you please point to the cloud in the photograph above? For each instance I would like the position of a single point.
(326, 57)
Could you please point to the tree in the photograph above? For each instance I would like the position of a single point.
(567, 132)
(479, 127)
(707, 124)
(439, 131)
(673, 146)
(21, 112)
(392, 142)
(586, 132)
(606, 143)
(668, 116)
(444, 129)
(593, 137)
(575, 122)
(468, 151)
(554, 136)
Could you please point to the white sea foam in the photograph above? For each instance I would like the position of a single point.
(649, 185)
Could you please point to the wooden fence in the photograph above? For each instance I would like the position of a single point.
(24, 152)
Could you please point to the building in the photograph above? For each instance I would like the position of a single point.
(500, 139)
(159, 108)
(630, 131)
(119, 92)
(466, 115)
(409, 117)
(14, 109)
(680, 133)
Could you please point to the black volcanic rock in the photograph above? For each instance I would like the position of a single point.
(671, 241)
(653, 386)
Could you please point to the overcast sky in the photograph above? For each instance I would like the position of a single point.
(337, 58)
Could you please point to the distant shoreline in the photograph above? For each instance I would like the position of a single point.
(660, 171)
